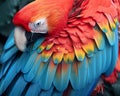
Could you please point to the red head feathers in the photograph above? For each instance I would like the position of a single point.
(54, 13)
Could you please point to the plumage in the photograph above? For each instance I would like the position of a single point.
(80, 44)
(29, 62)
(9, 42)
(33, 90)
(19, 85)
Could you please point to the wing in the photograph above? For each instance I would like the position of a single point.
(76, 57)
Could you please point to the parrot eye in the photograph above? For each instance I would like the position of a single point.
(39, 26)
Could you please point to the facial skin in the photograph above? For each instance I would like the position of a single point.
(39, 26)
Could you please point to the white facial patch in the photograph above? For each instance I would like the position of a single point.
(20, 39)
(39, 26)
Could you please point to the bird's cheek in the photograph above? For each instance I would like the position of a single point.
(20, 38)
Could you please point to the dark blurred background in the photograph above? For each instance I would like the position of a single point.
(7, 10)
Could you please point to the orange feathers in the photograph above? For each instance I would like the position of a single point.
(55, 11)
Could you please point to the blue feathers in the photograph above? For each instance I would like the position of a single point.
(38, 42)
(29, 62)
(33, 76)
(36, 72)
(10, 42)
(18, 87)
(114, 54)
(10, 49)
(62, 76)
(33, 90)
(7, 79)
(7, 55)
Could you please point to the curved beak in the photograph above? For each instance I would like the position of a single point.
(23, 38)
(20, 39)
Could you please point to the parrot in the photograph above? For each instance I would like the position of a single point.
(60, 48)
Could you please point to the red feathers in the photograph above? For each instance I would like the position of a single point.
(55, 11)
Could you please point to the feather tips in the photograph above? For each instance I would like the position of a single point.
(69, 58)
(57, 57)
(62, 76)
(78, 55)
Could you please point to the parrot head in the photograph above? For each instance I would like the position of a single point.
(41, 16)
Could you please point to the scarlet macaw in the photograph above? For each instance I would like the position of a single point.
(60, 47)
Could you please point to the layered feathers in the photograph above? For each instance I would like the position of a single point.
(75, 55)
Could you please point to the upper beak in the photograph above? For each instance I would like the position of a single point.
(23, 38)
(20, 39)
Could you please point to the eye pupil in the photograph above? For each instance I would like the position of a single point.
(38, 24)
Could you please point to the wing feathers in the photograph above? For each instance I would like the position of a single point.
(7, 79)
(18, 87)
(10, 42)
(62, 76)
(86, 48)
(48, 76)
(33, 90)
(30, 62)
